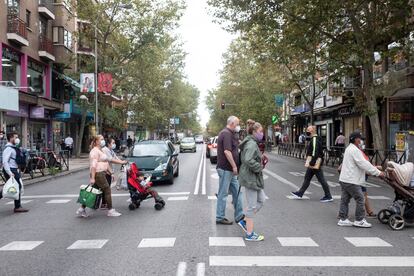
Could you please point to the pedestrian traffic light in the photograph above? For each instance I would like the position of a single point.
(275, 119)
(223, 105)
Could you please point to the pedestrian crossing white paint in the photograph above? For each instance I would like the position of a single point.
(201, 269)
(226, 241)
(297, 241)
(203, 183)
(177, 198)
(212, 197)
(21, 201)
(157, 242)
(283, 180)
(58, 201)
(77, 195)
(330, 184)
(181, 269)
(316, 183)
(300, 174)
(370, 197)
(333, 184)
(372, 185)
(21, 245)
(319, 261)
(294, 198)
(174, 193)
(87, 244)
(367, 242)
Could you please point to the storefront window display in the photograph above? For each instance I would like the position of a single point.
(401, 118)
(38, 135)
(10, 62)
(35, 75)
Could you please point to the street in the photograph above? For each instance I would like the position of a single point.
(301, 237)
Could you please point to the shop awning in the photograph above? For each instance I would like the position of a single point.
(403, 93)
(68, 79)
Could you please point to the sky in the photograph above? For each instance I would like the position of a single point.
(204, 42)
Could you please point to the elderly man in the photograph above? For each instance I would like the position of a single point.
(314, 152)
(227, 169)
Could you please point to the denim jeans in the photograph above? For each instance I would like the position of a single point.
(228, 182)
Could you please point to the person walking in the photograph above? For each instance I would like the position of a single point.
(340, 140)
(251, 176)
(99, 168)
(227, 169)
(3, 142)
(314, 152)
(11, 166)
(353, 171)
(69, 144)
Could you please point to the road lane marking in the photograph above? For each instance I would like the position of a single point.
(201, 269)
(319, 261)
(181, 269)
(367, 242)
(301, 174)
(77, 195)
(212, 197)
(87, 244)
(58, 201)
(297, 241)
(21, 245)
(177, 198)
(283, 180)
(21, 202)
(174, 193)
(295, 198)
(197, 185)
(203, 185)
(370, 197)
(226, 241)
(316, 183)
(157, 242)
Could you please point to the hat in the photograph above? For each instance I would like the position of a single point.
(354, 135)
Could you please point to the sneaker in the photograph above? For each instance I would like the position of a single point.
(224, 221)
(296, 195)
(326, 199)
(345, 222)
(81, 213)
(362, 223)
(254, 237)
(242, 224)
(113, 213)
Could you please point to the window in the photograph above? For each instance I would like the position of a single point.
(67, 39)
(28, 15)
(35, 74)
(10, 65)
(13, 6)
(43, 26)
(63, 37)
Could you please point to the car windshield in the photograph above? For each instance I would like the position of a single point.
(188, 140)
(199, 137)
(150, 150)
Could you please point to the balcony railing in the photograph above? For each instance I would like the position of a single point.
(46, 3)
(47, 8)
(16, 25)
(45, 44)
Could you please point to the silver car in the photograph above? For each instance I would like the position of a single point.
(188, 144)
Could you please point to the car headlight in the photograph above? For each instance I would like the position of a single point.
(161, 167)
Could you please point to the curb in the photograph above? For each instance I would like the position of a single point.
(51, 177)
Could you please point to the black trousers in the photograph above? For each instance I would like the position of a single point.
(17, 176)
(319, 175)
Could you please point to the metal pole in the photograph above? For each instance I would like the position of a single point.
(96, 82)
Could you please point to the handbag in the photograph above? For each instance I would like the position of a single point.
(317, 165)
(90, 196)
(11, 189)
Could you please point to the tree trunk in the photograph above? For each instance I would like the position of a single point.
(81, 132)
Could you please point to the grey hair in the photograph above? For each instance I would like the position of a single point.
(231, 120)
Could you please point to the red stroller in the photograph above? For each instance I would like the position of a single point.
(139, 193)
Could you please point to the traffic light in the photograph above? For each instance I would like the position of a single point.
(223, 105)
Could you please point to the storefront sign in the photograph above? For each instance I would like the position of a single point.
(37, 112)
(9, 99)
(301, 108)
(400, 141)
(105, 82)
(23, 111)
(331, 101)
(319, 103)
(395, 117)
(346, 111)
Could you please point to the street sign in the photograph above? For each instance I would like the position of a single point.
(172, 121)
(275, 119)
(177, 120)
(279, 98)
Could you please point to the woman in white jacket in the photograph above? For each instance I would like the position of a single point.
(354, 168)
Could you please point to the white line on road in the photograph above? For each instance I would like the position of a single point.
(295, 198)
(22, 202)
(197, 185)
(177, 198)
(76, 195)
(88, 244)
(370, 197)
(157, 242)
(181, 269)
(320, 261)
(226, 241)
(203, 186)
(212, 197)
(283, 180)
(367, 242)
(297, 241)
(21, 245)
(201, 269)
(58, 201)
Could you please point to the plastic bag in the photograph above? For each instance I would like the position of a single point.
(11, 189)
(122, 182)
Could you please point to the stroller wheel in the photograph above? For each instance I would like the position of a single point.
(158, 206)
(384, 216)
(132, 207)
(162, 202)
(396, 222)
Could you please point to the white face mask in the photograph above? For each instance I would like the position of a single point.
(103, 143)
(113, 146)
(237, 129)
(362, 145)
(17, 141)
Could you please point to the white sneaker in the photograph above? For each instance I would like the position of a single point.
(362, 223)
(345, 222)
(113, 213)
(82, 213)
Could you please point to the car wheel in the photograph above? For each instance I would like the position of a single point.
(171, 180)
(178, 171)
(213, 160)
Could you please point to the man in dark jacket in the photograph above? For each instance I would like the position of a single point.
(313, 152)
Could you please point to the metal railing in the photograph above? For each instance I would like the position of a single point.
(16, 25)
(45, 44)
(47, 4)
(333, 155)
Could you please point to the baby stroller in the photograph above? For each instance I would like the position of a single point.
(139, 193)
(401, 212)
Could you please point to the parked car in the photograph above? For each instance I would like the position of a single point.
(208, 143)
(188, 144)
(212, 150)
(199, 139)
(157, 158)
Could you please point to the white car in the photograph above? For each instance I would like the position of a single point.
(212, 149)
(199, 139)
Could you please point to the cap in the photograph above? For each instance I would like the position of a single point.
(354, 135)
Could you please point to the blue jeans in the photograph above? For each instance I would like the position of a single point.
(228, 182)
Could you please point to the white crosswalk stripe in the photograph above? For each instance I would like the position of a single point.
(88, 244)
(181, 269)
(156, 242)
(294, 198)
(58, 201)
(201, 269)
(177, 198)
(22, 202)
(226, 241)
(367, 242)
(21, 245)
(297, 241)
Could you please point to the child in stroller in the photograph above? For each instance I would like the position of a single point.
(141, 189)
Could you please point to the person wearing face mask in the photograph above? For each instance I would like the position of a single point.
(368, 208)
(354, 168)
(251, 176)
(11, 161)
(3, 143)
(227, 169)
(99, 168)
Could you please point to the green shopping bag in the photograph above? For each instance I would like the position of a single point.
(90, 196)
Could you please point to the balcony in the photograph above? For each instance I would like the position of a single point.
(46, 48)
(16, 30)
(46, 9)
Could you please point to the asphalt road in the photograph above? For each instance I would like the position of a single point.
(301, 237)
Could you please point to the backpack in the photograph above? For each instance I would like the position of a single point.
(20, 156)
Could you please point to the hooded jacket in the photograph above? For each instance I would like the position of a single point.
(250, 174)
